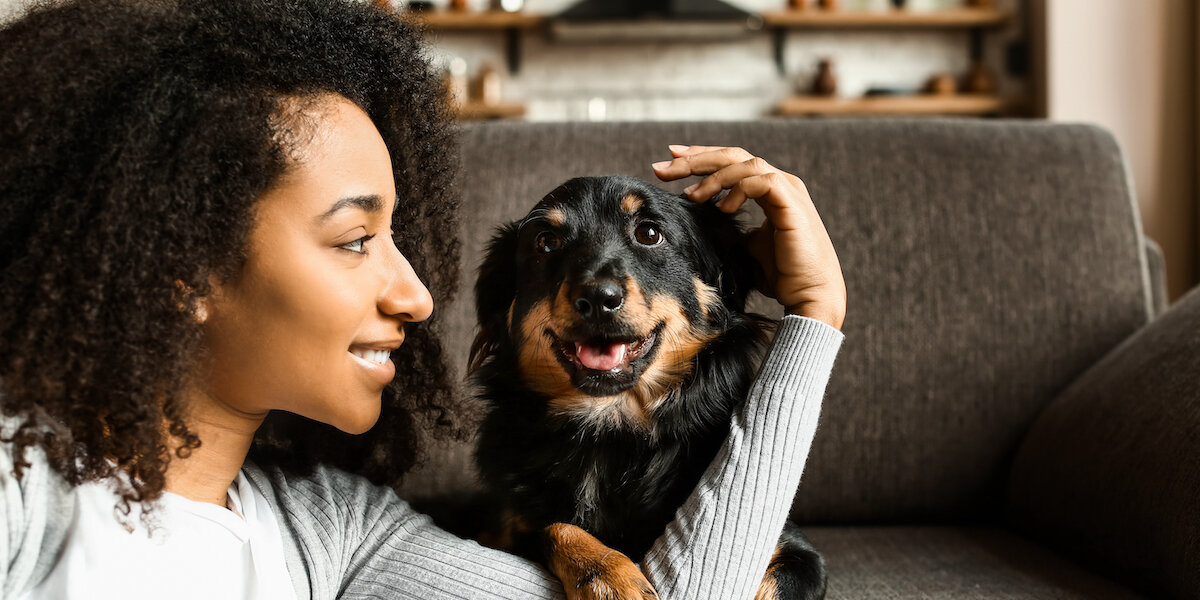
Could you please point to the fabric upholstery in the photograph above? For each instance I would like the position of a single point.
(950, 563)
(988, 263)
(1158, 277)
(1110, 471)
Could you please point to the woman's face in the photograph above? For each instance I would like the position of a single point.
(307, 326)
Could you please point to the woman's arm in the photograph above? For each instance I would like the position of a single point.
(722, 538)
(344, 536)
(353, 538)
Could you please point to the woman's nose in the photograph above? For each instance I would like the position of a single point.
(404, 295)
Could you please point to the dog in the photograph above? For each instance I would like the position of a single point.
(613, 348)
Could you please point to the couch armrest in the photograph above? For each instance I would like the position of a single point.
(1110, 471)
(1157, 265)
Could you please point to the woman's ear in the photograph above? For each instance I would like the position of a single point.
(495, 290)
(200, 310)
(187, 300)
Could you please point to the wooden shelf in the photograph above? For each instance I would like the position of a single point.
(477, 20)
(512, 24)
(922, 104)
(894, 19)
(477, 111)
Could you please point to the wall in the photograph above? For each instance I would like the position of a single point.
(1130, 66)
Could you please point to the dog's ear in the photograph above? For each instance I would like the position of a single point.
(739, 270)
(495, 290)
(726, 241)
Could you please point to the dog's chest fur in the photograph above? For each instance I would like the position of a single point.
(622, 487)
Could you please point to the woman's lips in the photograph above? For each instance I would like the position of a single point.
(376, 362)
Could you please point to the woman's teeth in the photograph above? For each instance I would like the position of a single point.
(376, 356)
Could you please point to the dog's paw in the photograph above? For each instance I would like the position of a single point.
(590, 570)
(614, 578)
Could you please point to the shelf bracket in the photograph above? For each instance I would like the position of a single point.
(779, 35)
(512, 45)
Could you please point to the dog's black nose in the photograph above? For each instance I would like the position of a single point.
(599, 299)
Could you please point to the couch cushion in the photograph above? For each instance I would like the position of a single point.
(934, 563)
(987, 264)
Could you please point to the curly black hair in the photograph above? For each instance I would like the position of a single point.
(137, 137)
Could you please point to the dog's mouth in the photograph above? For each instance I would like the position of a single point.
(605, 365)
(607, 355)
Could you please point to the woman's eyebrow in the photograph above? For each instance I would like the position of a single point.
(369, 204)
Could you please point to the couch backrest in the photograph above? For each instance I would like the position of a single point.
(987, 264)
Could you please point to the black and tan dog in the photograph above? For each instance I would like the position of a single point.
(613, 348)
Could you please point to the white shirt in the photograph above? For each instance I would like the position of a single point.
(192, 549)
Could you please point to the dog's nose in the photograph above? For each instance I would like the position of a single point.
(599, 299)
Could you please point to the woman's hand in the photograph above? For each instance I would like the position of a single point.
(799, 264)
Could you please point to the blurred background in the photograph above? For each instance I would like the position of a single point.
(1129, 66)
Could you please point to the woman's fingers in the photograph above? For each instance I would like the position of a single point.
(698, 160)
(726, 177)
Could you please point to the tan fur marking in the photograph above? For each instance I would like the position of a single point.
(539, 365)
(768, 589)
(631, 203)
(556, 217)
(590, 570)
(707, 295)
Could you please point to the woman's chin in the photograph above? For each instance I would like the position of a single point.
(358, 422)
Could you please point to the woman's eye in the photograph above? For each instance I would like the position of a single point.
(547, 241)
(647, 234)
(357, 246)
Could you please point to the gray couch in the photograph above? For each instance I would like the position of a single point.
(1014, 413)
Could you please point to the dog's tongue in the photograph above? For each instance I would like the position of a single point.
(600, 358)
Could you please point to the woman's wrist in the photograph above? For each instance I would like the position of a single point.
(828, 313)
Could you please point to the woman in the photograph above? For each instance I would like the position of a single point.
(215, 222)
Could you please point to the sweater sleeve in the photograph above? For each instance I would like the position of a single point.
(723, 536)
(351, 539)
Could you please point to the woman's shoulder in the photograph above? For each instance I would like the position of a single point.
(36, 509)
(325, 516)
(335, 498)
(27, 478)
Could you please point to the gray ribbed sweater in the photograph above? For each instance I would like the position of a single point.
(345, 537)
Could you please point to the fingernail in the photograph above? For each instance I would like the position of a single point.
(658, 166)
(678, 148)
(691, 188)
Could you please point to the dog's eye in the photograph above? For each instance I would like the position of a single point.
(647, 234)
(547, 241)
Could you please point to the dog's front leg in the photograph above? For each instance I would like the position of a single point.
(589, 570)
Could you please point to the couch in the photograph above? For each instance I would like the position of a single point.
(1015, 412)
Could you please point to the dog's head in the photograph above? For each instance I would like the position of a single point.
(605, 293)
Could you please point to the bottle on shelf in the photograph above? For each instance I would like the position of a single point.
(825, 82)
(942, 84)
(488, 85)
